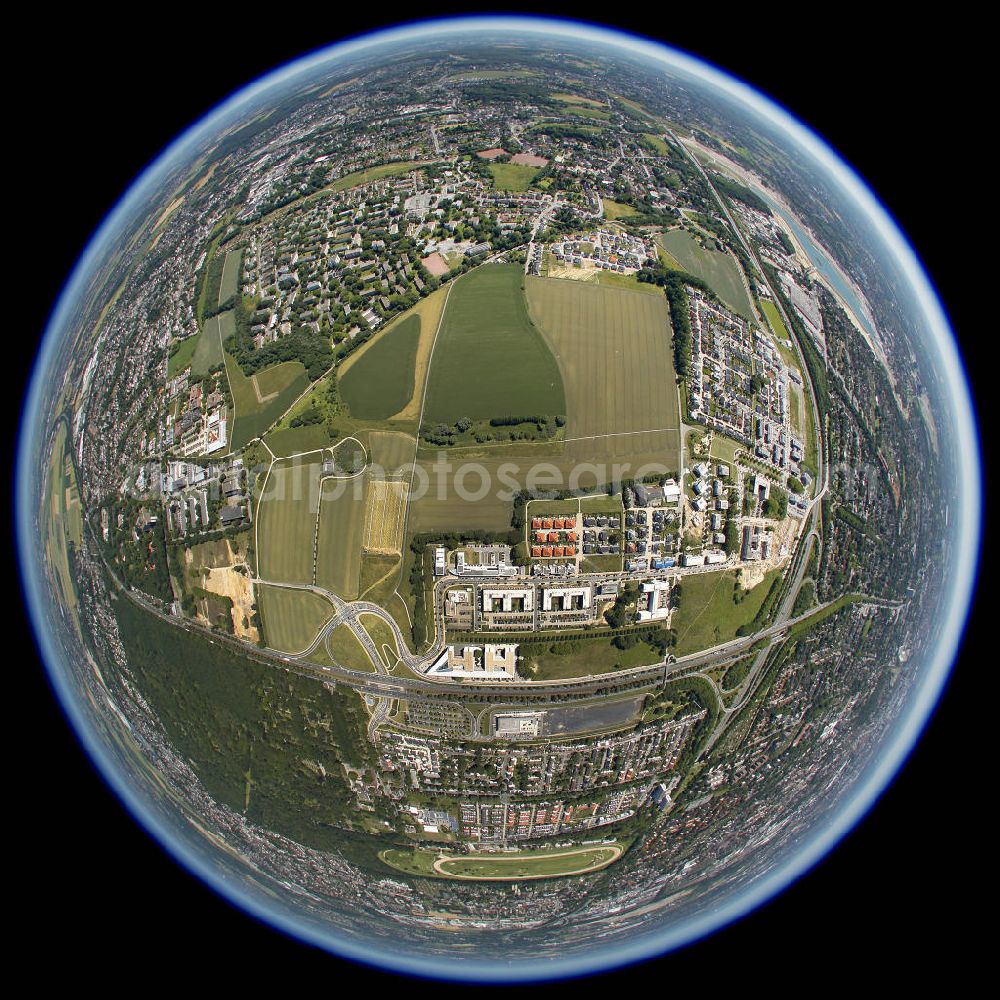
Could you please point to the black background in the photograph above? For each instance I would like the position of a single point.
(98, 101)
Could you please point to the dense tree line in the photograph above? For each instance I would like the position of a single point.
(733, 189)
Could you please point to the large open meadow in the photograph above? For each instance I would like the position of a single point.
(613, 348)
(713, 608)
(230, 283)
(489, 360)
(719, 270)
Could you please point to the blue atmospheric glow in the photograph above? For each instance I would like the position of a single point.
(940, 345)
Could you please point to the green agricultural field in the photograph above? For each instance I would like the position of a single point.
(627, 281)
(489, 360)
(585, 111)
(525, 864)
(292, 618)
(446, 511)
(708, 613)
(341, 524)
(257, 408)
(373, 174)
(613, 348)
(512, 176)
(208, 350)
(286, 522)
(277, 378)
(719, 270)
(347, 651)
(381, 382)
(564, 98)
(63, 520)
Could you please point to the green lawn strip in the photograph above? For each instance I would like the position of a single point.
(382, 635)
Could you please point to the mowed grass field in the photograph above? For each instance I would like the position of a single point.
(292, 618)
(719, 270)
(286, 522)
(489, 360)
(278, 387)
(613, 348)
(512, 176)
(381, 382)
(392, 452)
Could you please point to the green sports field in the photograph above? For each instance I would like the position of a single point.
(489, 360)
(719, 270)
(529, 864)
(380, 383)
(292, 618)
(613, 348)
